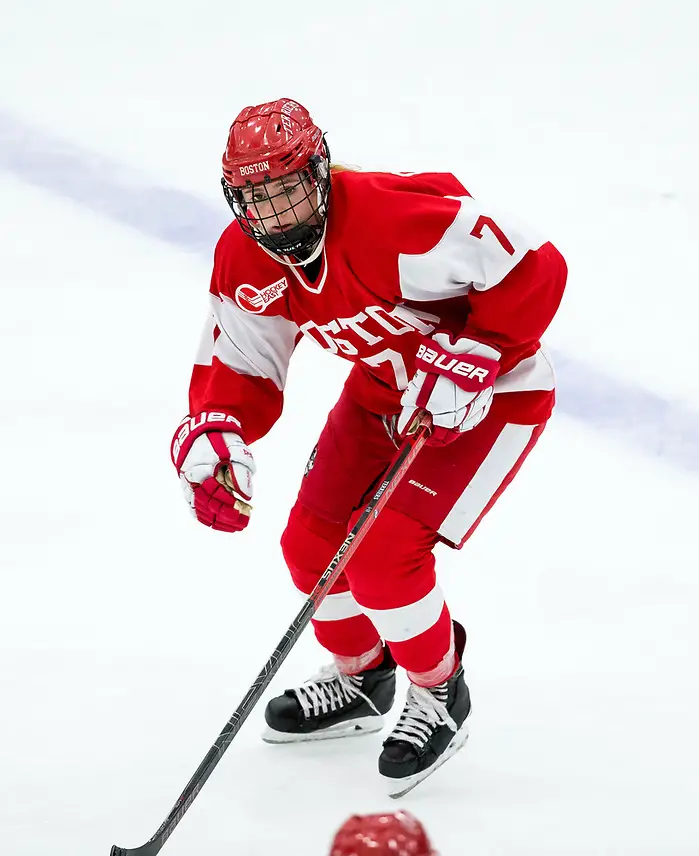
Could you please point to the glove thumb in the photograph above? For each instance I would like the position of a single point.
(236, 478)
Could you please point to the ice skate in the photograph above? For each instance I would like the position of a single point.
(431, 729)
(332, 704)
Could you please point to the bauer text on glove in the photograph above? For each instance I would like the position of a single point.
(215, 468)
(453, 382)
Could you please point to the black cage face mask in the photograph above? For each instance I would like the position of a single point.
(286, 216)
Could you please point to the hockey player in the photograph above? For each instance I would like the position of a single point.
(397, 834)
(439, 302)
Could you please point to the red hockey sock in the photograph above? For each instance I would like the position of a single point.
(309, 543)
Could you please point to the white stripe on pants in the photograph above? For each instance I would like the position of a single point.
(503, 456)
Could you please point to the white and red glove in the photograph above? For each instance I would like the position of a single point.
(215, 468)
(454, 383)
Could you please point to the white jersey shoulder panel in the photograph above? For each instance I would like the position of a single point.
(478, 250)
(256, 345)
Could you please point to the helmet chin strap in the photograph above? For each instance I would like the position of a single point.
(286, 260)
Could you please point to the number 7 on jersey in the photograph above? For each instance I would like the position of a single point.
(483, 222)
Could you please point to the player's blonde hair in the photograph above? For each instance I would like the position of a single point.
(343, 167)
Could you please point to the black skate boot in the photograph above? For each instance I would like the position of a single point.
(430, 730)
(332, 704)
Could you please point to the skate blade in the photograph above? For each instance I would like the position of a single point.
(400, 787)
(355, 728)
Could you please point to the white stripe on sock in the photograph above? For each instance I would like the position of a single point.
(407, 622)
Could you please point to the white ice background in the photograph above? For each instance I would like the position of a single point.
(128, 634)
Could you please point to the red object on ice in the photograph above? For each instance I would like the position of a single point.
(396, 834)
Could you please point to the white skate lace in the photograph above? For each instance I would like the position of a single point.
(330, 690)
(424, 711)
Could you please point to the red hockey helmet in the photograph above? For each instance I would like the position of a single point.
(276, 176)
(397, 834)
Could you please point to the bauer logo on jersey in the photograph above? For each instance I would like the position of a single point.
(253, 300)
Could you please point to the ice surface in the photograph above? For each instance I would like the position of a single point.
(128, 634)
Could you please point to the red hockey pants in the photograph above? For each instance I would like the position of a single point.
(389, 589)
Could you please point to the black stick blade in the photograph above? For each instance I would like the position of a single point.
(150, 849)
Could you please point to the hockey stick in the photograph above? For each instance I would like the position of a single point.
(391, 479)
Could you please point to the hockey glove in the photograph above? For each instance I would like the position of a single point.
(454, 382)
(215, 468)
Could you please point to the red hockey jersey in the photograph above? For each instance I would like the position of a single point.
(404, 255)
